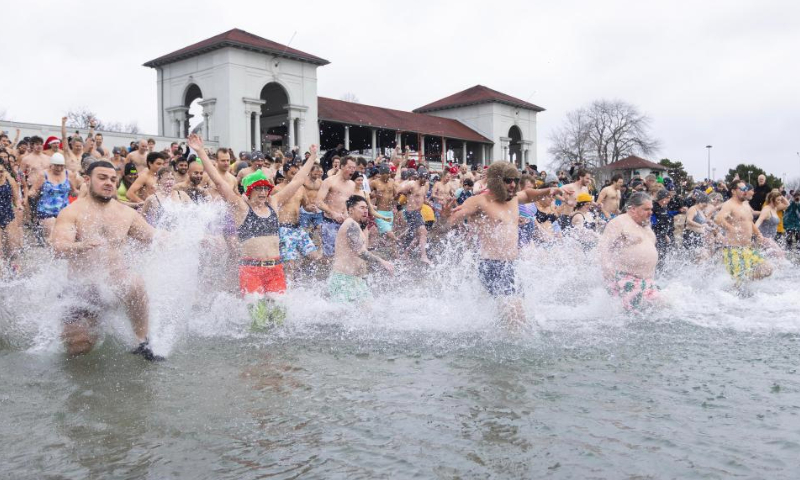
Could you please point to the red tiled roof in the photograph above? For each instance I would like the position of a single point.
(238, 39)
(365, 115)
(632, 163)
(476, 95)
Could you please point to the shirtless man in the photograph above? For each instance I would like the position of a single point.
(223, 164)
(310, 215)
(194, 185)
(256, 163)
(628, 254)
(346, 282)
(91, 234)
(383, 192)
(295, 241)
(35, 162)
(181, 169)
(415, 190)
(139, 156)
(145, 185)
(73, 149)
(610, 197)
(581, 185)
(331, 199)
(99, 150)
(442, 192)
(741, 259)
(495, 216)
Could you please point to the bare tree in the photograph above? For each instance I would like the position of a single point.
(603, 132)
(82, 117)
(349, 97)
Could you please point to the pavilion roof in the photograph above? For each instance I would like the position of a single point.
(474, 96)
(351, 113)
(632, 163)
(237, 38)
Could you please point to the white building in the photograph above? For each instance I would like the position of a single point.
(256, 93)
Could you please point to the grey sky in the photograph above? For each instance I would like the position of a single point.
(719, 73)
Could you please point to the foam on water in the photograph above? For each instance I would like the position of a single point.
(563, 296)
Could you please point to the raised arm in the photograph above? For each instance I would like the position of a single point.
(289, 190)
(223, 187)
(530, 195)
(467, 209)
(64, 142)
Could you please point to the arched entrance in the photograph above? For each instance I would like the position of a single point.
(274, 117)
(194, 119)
(515, 146)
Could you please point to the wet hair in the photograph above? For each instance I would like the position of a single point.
(177, 160)
(223, 150)
(98, 164)
(616, 178)
(637, 199)
(153, 156)
(735, 184)
(163, 171)
(353, 201)
(494, 179)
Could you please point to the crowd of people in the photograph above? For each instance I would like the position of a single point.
(293, 218)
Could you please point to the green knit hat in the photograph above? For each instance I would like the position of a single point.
(256, 179)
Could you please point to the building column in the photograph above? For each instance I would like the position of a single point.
(347, 137)
(290, 124)
(398, 140)
(299, 132)
(374, 143)
(422, 145)
(464, 154)
(208, 112)
(257, 131)
(248, 142)
(444, 151)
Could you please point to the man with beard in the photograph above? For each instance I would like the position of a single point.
(91, 234)
(351, 258)
(495, 216)
(628, 254)
(193, 185)
(610, 196)
(181, 169)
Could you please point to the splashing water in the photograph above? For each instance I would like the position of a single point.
(423, 382)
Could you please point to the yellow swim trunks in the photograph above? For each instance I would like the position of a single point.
(741, 261)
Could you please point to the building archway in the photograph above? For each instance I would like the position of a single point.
(274, 117)
(515, 146)
(194, 117)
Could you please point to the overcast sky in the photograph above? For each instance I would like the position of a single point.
(724, 73)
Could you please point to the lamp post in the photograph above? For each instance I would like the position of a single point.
(748, 175)
(713, 173)
(709, 162)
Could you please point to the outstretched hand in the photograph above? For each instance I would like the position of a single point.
(195, 142)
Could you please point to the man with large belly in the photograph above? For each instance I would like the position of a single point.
(628, 254)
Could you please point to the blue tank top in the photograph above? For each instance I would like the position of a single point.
(55, 196)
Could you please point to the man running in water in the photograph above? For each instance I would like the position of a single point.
(256, 219)
(742, 260)
(628, 254)
(351, 258)
(495, 215)
(145, 184)
(295, 242)
(415, 190)
(91, 234)
(331, 199)
(310, 215)
(384, 191)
